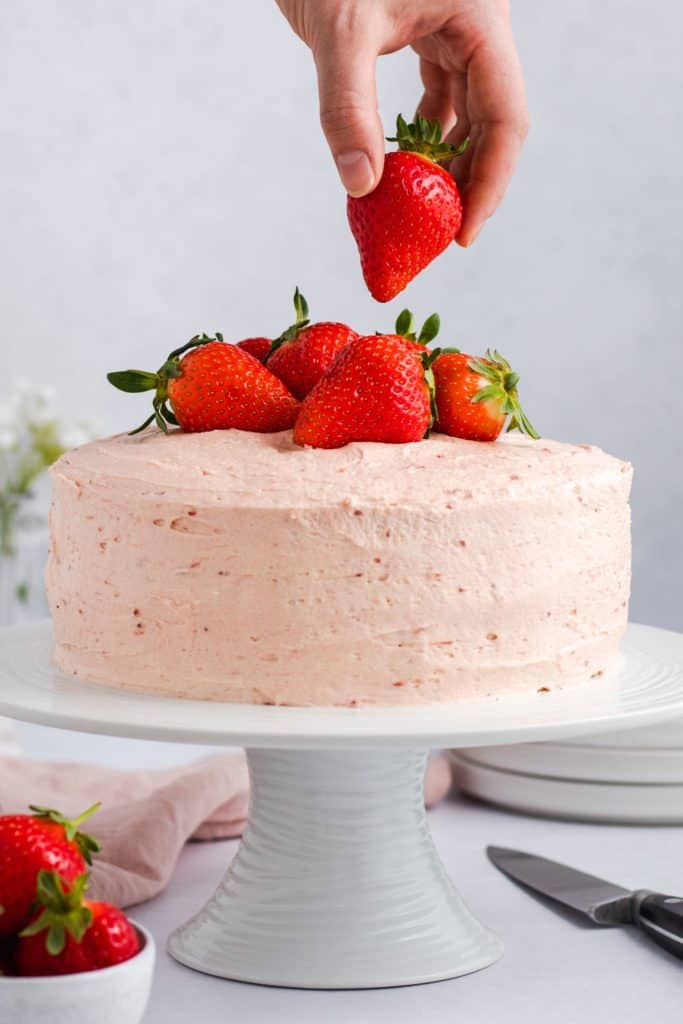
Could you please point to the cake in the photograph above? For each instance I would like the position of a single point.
(237, 566)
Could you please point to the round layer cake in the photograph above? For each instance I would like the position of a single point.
(238, 567)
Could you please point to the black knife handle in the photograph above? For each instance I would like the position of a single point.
(662, 918)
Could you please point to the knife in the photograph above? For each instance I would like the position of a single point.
(661, 917)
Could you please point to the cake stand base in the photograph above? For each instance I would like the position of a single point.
(337, 883)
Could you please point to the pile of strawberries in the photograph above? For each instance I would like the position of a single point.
(326, 381)
(47, 925)
(333, 385)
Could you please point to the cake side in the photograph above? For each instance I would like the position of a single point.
(236, 566)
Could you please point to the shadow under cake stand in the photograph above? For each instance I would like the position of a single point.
(337, 883)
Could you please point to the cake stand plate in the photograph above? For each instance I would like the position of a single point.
(337, 883)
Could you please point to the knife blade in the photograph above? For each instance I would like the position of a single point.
(660, 916)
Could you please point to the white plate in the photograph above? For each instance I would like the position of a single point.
(586, 763)
(570, 800)
(646, 688)
(664, 734)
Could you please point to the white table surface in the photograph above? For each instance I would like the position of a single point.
(554, 970)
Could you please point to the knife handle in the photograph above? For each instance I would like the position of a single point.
(662, 918)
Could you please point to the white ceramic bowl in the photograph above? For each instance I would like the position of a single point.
(113, 995)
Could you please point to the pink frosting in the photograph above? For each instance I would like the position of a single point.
(236, 566)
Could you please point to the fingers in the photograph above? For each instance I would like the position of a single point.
(493, 160)
(496, 108)
(437, 100)
(348, 111)
(462, 130)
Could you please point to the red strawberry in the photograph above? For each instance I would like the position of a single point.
(305, 351)
(379, 388)
(30, 843)
(412, 215)
(256, 347)
(474, 397)
(72, 934)
(7, 969)
(212, 386)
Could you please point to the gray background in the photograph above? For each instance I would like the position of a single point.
(163, 173)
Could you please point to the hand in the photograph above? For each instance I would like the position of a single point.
(472, 83)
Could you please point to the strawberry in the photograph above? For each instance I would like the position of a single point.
(413, 213)
(474, 397)
(71, 933)
(305, 351)
(259, 348)
(29, 843)
(211, 385)
(379, 388)
(7, 969)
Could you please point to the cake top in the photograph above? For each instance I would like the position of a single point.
(247, 469)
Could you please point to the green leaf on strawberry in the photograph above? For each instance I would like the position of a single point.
(405, 326)
(424, 137)
(502, 390)
(137, 381)
(291, 332)
(86, 844)
(63, 911)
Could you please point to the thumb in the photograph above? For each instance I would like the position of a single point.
(348, 113)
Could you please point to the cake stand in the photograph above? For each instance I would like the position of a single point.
(336, 883)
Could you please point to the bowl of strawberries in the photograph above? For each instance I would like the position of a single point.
(64, 958)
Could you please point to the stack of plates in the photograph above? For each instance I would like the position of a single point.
(632, 777)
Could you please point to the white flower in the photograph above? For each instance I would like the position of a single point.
(46, 396)
(9, 437)
(17, 406)
(28, 404)
(31, 434)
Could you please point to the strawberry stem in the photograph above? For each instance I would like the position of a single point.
(63, 911)
(135, 381)
(86, 844)
(424, 137)
(405, 327)
(302, 320)
(501, 388)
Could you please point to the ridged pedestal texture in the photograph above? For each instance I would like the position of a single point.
(337, 883)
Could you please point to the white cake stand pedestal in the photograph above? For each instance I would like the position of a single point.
(337, 883)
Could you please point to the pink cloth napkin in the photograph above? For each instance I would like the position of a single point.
(147, 817)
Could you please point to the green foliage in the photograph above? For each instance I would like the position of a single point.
(424, 137)
(291, 332)
(136, 381)
(501, 388)
(32, 437)
(405, 326)
(64, 911)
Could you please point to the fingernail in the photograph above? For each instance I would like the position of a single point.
(471, 239)
(355, 171)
